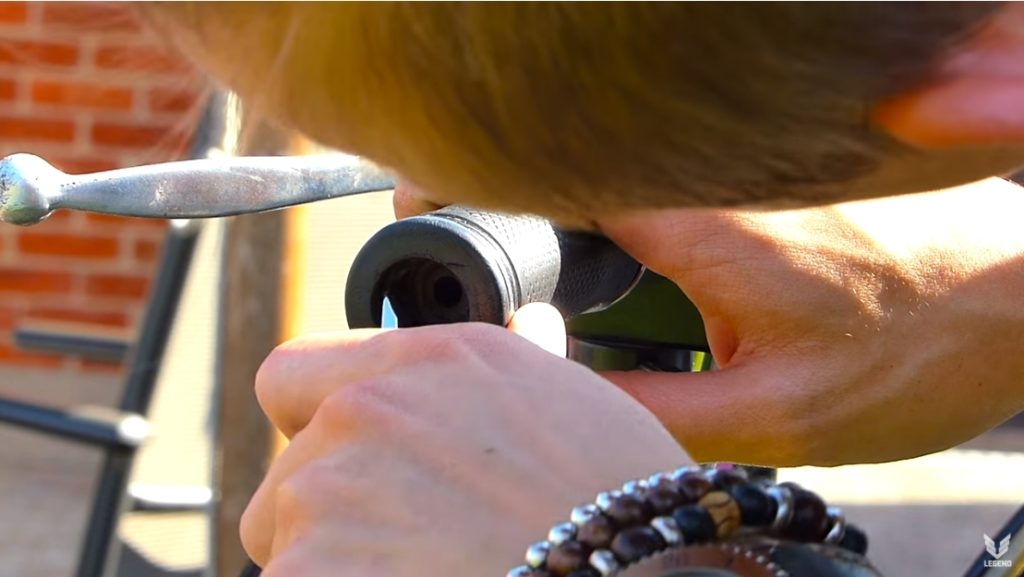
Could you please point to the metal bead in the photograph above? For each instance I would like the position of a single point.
(561, 533)
(537, 554)
(837, 523)
(584, 513)
(521, 571)
(634, 487)
(668, 529)
(604, 500)
(784, 510)
(605, 562)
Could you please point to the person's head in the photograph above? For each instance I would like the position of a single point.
(580, 109)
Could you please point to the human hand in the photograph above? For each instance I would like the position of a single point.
(862, 332)
(441, 450)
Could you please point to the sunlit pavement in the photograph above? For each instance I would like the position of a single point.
(926, 516)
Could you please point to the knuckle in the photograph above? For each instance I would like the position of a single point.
(355, 405)
(296, 497)
(271, 377)
(252, 536)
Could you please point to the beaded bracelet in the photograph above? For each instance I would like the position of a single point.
(689, 506)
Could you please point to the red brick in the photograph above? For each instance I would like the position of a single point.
(56, 221)
(8, 88)
(37, 129)
(83, 165)
(171, 100)
(13, 12)
(82, 94)
(140, 59)
(146, 250)
(98, 219)
(31, 281)
(114, 285)
(9, 354)
(7, 318)
(38, 52)
(84, 247)
(104, 318)
(90, 16)
(134, 136)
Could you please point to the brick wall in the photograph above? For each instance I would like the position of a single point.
(86, 87)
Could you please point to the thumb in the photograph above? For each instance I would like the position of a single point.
(740, 414)
(542, 325)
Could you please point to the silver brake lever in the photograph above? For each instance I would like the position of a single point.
(31, 189)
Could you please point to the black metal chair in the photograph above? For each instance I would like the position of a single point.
(119, 432)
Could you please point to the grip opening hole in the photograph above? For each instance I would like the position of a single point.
(447, 291)
(423, 292)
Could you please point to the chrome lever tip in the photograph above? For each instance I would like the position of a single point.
(28, 188)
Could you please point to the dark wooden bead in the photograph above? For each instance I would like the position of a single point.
(567, 557)
(540, 573)
(695, 524)
(636, 543)
(854, 540)
(585, 572)
(663, 499)
(725, 478)
(810, 517)
(596, 533)
(693, 486)
(757, 508)
(628, 511)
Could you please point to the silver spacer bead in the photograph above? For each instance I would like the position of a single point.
(838, 528)
(561, 533)
(605, 562)
(668, 529)
(604, 500)
(784, 499)
(634, 487)
(584, 513)
(537, 554)
(521, 571)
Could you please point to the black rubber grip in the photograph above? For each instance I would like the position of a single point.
(459, 265)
